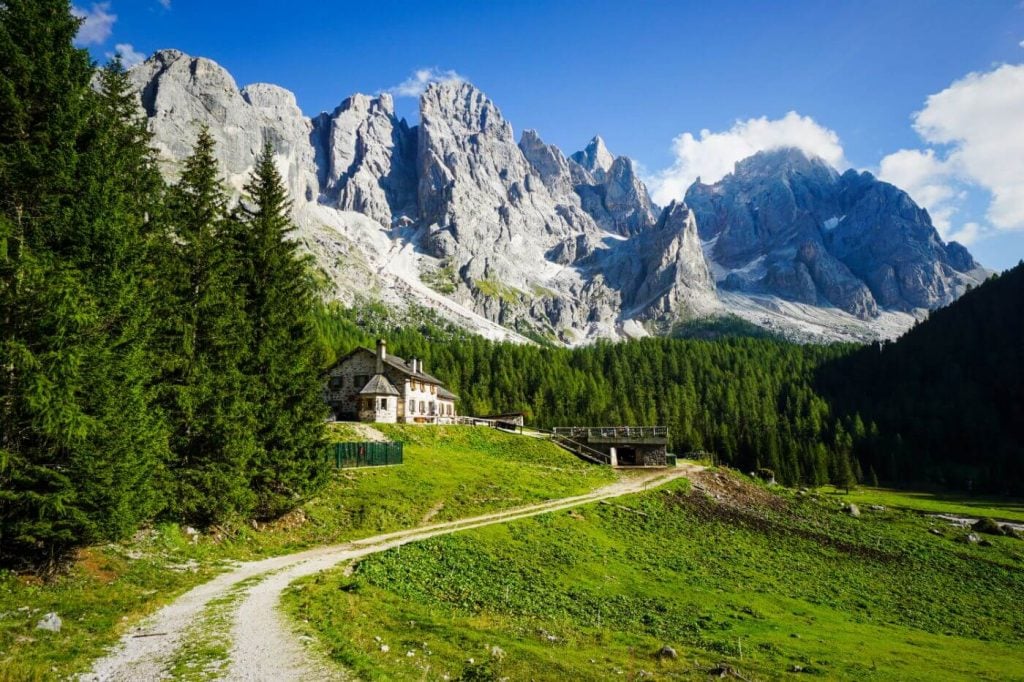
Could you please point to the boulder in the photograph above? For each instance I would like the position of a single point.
(668, 652)
(50, 621)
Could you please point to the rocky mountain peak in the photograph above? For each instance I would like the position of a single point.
(788, 224)
(595, 158)
(784, 162)
(464, 108)
(370, 159)
(549, 163)
(455, 214)
(181, 94)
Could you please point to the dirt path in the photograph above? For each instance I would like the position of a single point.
(262, 644)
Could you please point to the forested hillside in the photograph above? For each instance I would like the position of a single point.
(948, 397)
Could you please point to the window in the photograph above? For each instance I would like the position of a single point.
(362, 380)
(384, 403)
(433, 390)
(423, 407)
(412, 406)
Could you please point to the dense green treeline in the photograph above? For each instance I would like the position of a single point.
(948, 397)
(158, 354)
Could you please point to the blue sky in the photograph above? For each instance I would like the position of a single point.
(644, 73)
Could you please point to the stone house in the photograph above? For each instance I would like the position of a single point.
(370, 386)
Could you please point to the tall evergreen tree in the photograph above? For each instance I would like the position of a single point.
(284, 363)
(79, 443)
(206, 339)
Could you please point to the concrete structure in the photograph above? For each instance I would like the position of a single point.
(623, 445)
(373, 386)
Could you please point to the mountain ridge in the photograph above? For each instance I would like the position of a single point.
(524, 240)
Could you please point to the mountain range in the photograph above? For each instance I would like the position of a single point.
(514, 239)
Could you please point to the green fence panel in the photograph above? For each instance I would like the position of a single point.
(368, 454)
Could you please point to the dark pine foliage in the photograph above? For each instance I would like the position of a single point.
(283, 365)
(80, 440)
(948, 397)
(207, 333)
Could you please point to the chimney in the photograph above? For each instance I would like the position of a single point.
(382, 351)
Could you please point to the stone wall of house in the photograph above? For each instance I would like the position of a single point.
(346, 380)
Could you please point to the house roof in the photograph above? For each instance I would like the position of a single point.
(378, 385)
(445, 394)
(394, 361)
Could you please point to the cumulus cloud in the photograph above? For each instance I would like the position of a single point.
(129, 55)
(929, 180)
(713, 155)
(966, 235)
(977, 120)
(414, 85)
(166, 4)
(97, 24)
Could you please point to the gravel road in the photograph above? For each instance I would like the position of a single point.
(262, 644)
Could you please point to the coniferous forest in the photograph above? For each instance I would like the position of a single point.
(162, 344)
(157, 349)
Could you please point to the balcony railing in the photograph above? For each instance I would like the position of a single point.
(623, 432)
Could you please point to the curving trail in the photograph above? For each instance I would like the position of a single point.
(262, 644)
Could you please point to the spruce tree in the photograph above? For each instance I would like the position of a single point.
(206, 338)
(79, 439)
(284, 363)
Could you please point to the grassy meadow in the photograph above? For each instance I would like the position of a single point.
(448, 473)
(735, 577)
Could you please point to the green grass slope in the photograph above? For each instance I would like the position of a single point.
(730, 575)
(449, 472)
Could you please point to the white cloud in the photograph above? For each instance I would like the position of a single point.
(978, 119)
(129, 55)
(414, 85)
(713, 155)
(966, 235)
(166, 4)
(97, 24)
(930, 181)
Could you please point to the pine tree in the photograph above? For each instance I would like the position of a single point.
(206, 339)
(79, 442)
(284, 364)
